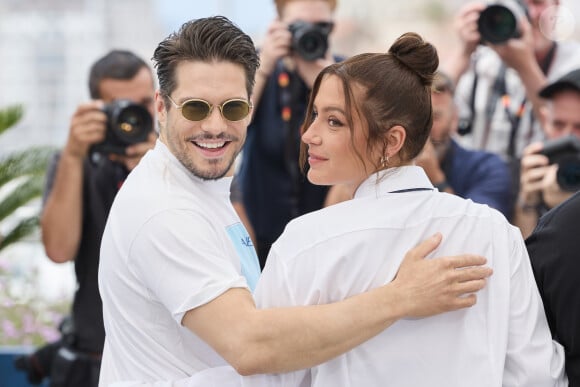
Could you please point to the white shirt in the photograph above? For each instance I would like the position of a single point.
(172, 243)
(494, 135)
(345, 249)
(354, 246)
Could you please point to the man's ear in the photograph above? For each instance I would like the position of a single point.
(161, 111)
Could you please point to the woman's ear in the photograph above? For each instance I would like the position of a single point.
(395, 138)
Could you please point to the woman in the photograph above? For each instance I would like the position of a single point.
(368, 117)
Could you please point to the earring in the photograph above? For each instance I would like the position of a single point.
(384, 161)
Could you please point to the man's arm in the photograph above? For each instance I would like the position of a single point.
(61, 220)
(285, 339)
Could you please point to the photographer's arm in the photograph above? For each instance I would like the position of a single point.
(533, 166)
(275, 46)
(61, 220)
(285, 339)
(520, 55)
(465, 25)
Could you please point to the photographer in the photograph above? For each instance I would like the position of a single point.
(269, 186)
(498, 82)
(82, 182)
(540, 189)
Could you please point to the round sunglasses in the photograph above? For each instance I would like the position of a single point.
(196, 109)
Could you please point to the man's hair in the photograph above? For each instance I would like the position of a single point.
(208, 39)
(280, 4)
(117, 64)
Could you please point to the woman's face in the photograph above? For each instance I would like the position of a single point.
(332, 152)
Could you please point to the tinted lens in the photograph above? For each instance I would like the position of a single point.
(235, 110)
(195, 110)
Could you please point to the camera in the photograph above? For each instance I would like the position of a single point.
(127, 123)
(565, 152)
(498, 22)
(310, 40)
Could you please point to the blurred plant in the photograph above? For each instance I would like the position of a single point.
(26, 318)
(22, 175)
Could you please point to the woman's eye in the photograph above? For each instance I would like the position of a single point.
(314, 115)
(334, 122)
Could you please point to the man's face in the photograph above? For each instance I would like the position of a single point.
(536, 9)
(308, 11)
(444, 117)
(207, 148)
(563, 114)
(139, 89)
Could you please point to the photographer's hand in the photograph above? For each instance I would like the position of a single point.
(553, 193)
(533, 170)
(135, 152)
(465, 26)
(87, 127)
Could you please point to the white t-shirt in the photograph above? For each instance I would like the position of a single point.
(494, 135)
(348, 248)
(172, 242)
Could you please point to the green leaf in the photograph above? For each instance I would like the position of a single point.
(10, 116)
(23, 229)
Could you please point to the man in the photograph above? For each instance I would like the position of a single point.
(553, 248)
(498, 84)
(177, 264)
(477, 175)
(81, 185)
(272, 191)
(540, 189)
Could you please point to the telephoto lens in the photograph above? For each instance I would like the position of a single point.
(498, 22)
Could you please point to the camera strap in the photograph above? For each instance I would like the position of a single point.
(516, 117)
(291, 89)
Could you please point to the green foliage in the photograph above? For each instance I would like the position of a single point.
(22, 178)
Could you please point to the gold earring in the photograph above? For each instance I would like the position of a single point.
(384, 161)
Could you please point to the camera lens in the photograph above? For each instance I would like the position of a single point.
(312, 45)
(499, 22)
(132, 122)
(568, 175)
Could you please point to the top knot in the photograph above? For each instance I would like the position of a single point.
(418, 55)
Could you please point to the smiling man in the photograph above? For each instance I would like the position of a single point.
(176, 269)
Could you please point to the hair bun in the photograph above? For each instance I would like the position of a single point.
(418, 55)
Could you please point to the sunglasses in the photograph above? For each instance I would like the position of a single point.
(196, 109)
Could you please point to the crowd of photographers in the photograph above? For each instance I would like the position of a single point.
(517, 98)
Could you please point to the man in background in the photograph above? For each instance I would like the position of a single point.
(82, 182)
(477, 175)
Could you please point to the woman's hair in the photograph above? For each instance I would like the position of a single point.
(396, 90)
(208, 39)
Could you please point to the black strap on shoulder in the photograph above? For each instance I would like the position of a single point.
(411, 190)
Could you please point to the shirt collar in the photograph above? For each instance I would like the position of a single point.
(393, 179)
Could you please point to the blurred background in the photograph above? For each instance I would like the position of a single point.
(47, 47)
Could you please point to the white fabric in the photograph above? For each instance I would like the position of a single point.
(496, 138)
(172, 243)
(357, 245)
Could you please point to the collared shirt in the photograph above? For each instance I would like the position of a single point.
(358, 245)
(480, 176)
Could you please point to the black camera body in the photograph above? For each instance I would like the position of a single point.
(565, 152)
(310, 40)
(499, 21)
(127, 123)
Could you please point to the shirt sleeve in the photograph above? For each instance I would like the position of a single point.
(183, 260)
(532, 359)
